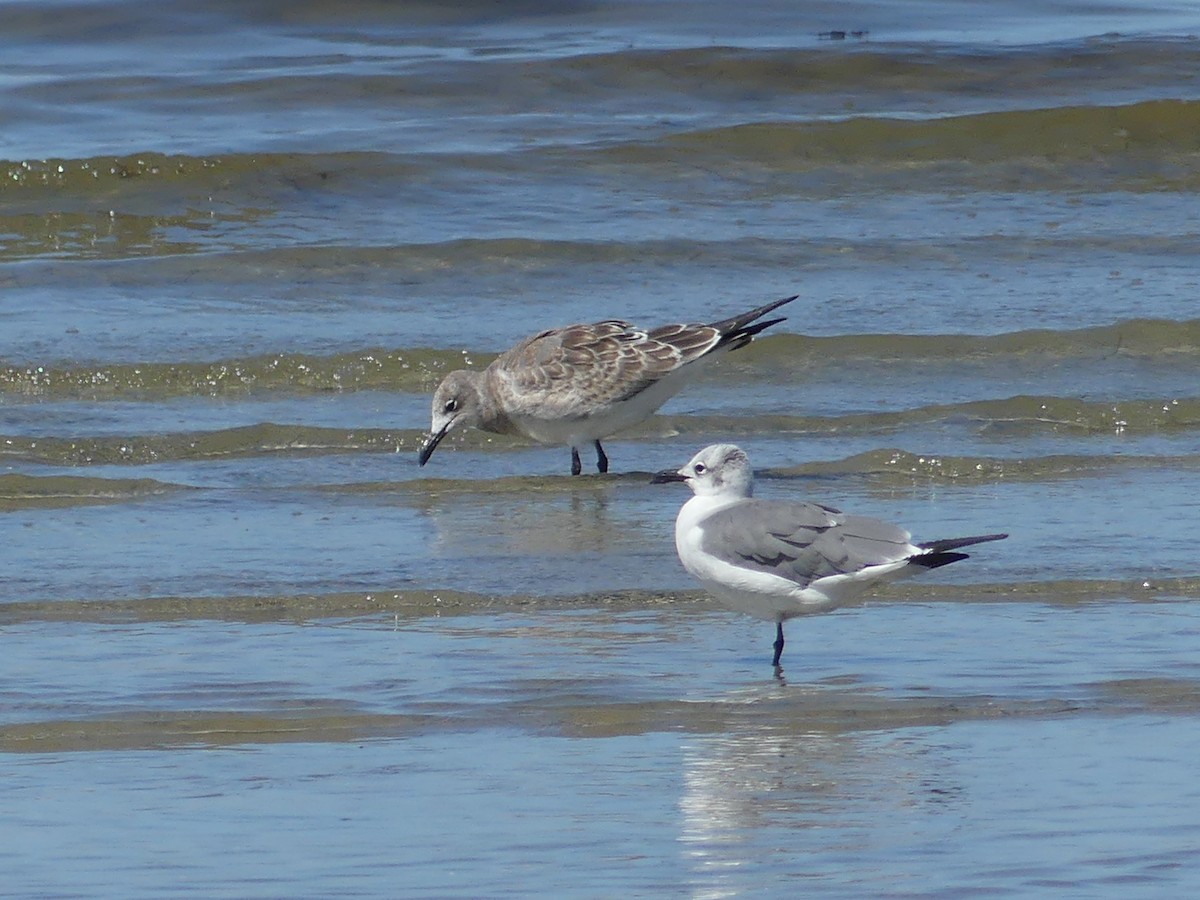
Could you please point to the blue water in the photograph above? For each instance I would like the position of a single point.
(250, 649)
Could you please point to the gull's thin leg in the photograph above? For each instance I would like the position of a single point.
(576, 465)
(778, 643)
(601, 459)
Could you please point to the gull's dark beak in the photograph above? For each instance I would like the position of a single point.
(667, 476)
(430, 444)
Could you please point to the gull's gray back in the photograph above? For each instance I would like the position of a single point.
(800, 541)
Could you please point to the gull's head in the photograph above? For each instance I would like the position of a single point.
(455, 403)
(721, 469)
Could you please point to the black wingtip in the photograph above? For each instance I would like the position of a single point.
(955, 543)
(739, 331)
(738, 323)
(937, 559)
(941, 553)
(751, 330)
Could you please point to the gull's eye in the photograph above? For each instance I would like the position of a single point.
(699, 468)
(451, 405)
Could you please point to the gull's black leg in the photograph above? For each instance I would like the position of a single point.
(601, 459)
(778, 643)
(576, 465)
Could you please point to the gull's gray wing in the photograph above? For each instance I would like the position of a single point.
(580, 370)
(800, 541)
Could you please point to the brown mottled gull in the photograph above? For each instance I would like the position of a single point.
(578, 384)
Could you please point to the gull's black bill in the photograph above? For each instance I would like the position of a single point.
(666, 477)
(430, 445)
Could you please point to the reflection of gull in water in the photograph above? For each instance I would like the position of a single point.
(730, 779)
(746, 795)
(762, 802)
(510, 535)
(533, 525)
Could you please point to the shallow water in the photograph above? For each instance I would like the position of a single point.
(251, 649)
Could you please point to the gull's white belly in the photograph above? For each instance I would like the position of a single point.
(582, 430)
(759, 594)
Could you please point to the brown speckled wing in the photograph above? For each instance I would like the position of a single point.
(581, 370)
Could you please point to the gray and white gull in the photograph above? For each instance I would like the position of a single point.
(777, 559)
(578, 384)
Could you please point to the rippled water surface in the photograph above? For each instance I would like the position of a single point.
(251, 649)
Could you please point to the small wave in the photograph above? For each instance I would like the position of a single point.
(408, 602)
(139, 173)
(894, 465)
(1145, 338)
(154, 204)
(251, 608)
(19, 491)
(265, 439)
(374, 369)
(1061, 142)
(1007, 417)
(855, 73)
(419, 369)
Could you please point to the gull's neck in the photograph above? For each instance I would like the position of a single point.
(701, 506)
(491, 413)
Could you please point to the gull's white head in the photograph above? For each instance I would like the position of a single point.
(721, 469)
(456, 402)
